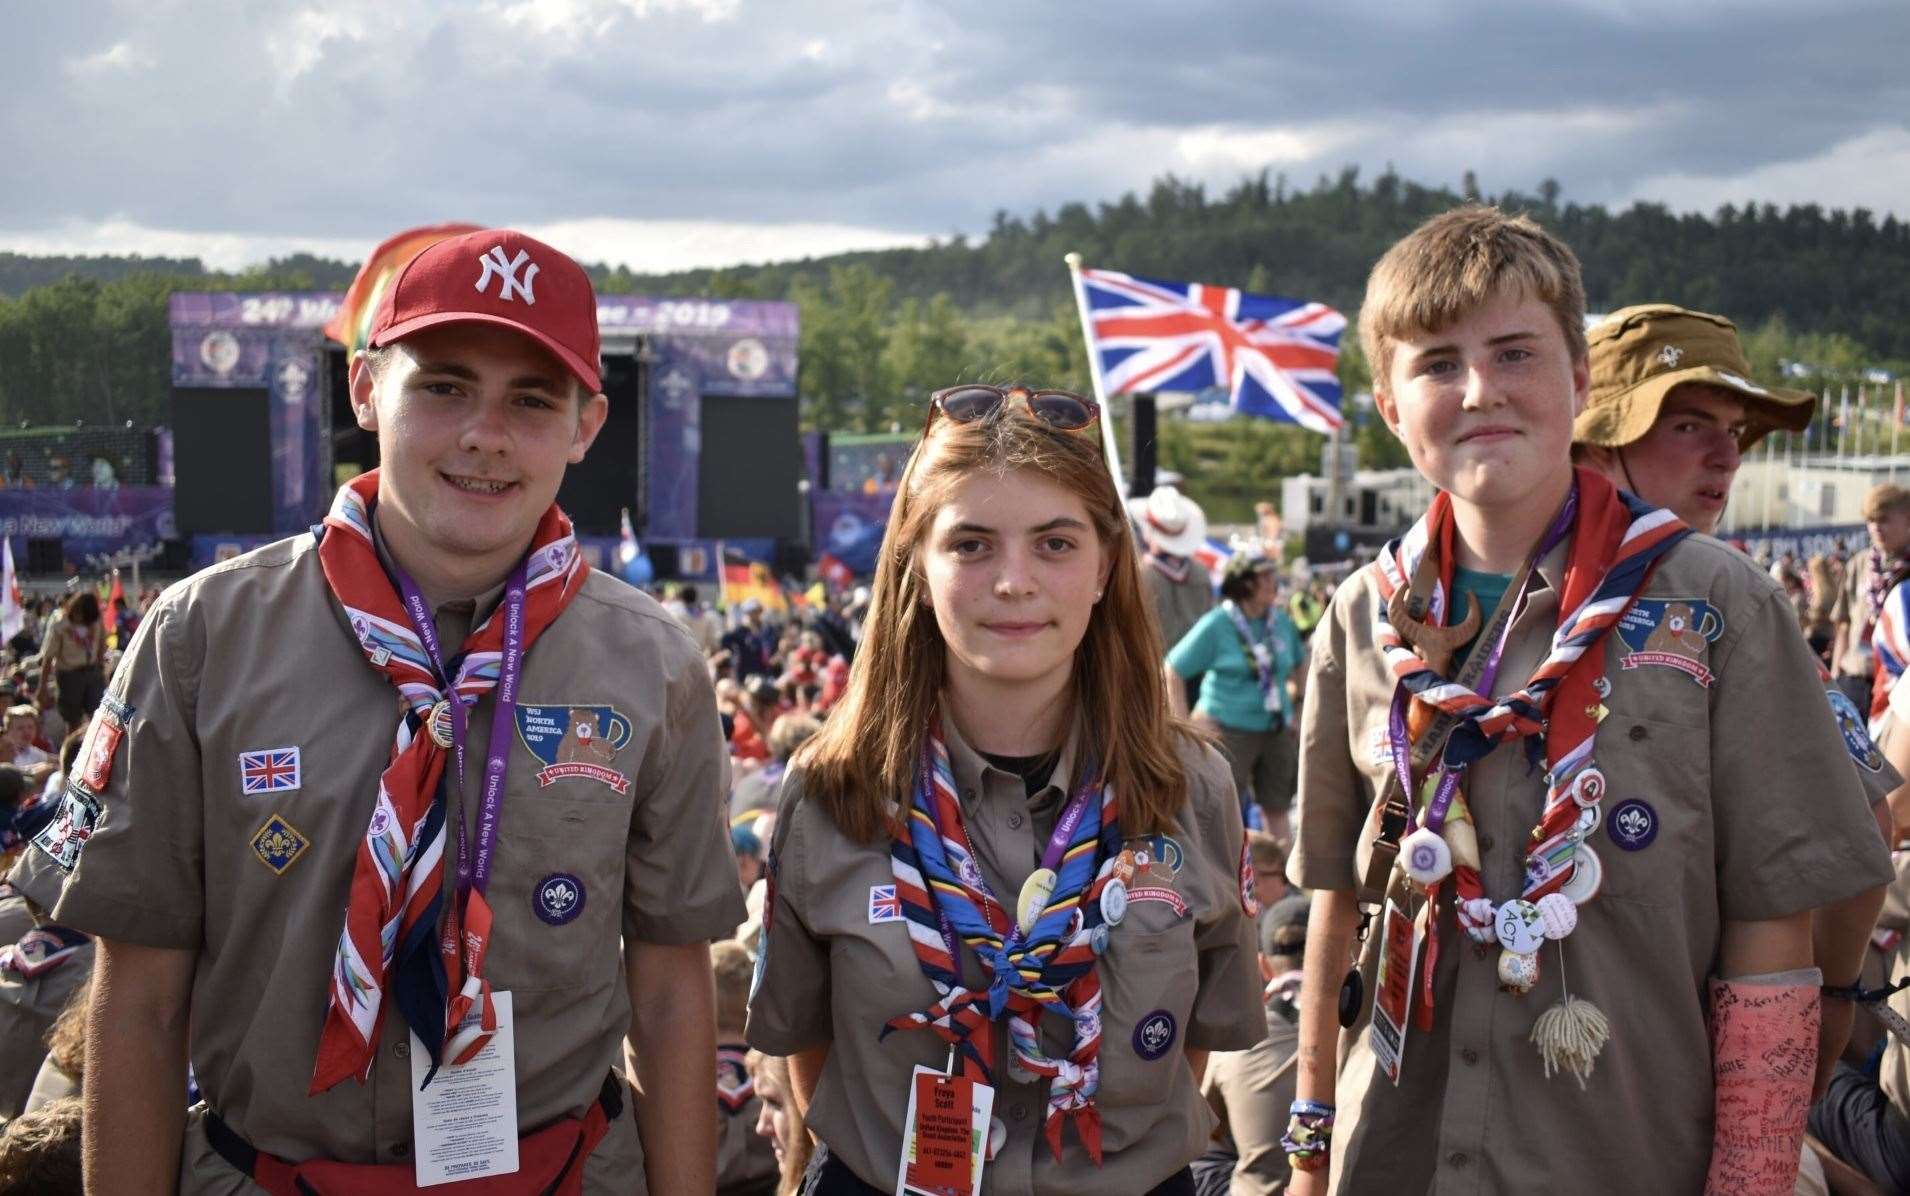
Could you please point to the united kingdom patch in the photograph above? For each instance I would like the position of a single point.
(274, 770)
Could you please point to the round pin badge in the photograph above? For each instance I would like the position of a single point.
(1588, 787)
(1114, 903)
(1427, 858)
(559, 898)
(1153, 1034)
(1517, 972)
(1633, 825)
(1520, 928)
(1602, 686)
(1587, 875)
(439, 723)
(1588, 819)
(1558, 915)
(1098, 940)
(997, 1137)
(1034, 897)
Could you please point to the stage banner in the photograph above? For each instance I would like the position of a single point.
(89, 521)
(849, 526)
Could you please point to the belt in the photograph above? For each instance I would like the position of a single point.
(550, 1162)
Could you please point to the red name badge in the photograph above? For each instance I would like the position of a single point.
(944, 1136)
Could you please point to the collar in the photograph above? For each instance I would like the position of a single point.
(472, 611)
(973, 774)
(1551, 567)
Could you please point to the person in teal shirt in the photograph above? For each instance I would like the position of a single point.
(1247, 654)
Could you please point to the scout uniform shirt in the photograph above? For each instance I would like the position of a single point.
(245, 737)
(1731, 796)
(836, 966)
(745, 1160)
(1178, 604)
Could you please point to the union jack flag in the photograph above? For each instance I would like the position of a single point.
(884, 905)
(274, 770)
(1275, 356)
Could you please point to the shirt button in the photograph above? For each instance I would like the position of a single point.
(1485, 842)
(1014, 822)
(1638, 733)
(401, 1149)
(968, 795)
(1469, 1055)
(1458, 1158)
(403, 1049)
(1018, 1112)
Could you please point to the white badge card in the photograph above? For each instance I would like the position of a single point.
(465, 1125)
(1393, 989)
(946, 1135)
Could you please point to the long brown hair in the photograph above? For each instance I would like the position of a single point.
(865, 755)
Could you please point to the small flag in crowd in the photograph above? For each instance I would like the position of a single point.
(109, 611)
(627, 541)
(1212, 556)
(745, 579)
(837, 575)
(1276, 357)
(13, 615)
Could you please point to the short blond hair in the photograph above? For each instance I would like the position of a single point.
(733, 967)
(1456, 263)
(1885, 499)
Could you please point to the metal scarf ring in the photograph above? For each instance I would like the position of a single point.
(1041, 956)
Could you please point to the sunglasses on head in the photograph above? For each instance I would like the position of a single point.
(1062, 410)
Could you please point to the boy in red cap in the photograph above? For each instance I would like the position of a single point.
(324, 835)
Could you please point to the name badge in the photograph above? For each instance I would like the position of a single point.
(465, 1125)
(1393, 1000)
(945, 1135)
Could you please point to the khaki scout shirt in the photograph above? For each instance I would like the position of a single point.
(1178, 604)
(1893, 1074)
(745, 1160)
(831, 978)
(28, 1007)
(1253, 1091)
(1756, 813)
(255, 654)
(1853, 607)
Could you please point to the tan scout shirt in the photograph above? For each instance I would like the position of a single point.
(255, 654)
(1178, 604)
(1757, 814)
(1893, 1074)
(745, 1160)
(28, 1007)
(832, 979)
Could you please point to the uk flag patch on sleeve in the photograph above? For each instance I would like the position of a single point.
(884, 906)
(274, 770)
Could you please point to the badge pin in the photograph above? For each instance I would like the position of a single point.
(1098, 940)
(381, 656)
(1035, 892)
(1520, 928)
(1428, 860)
(1114, 903)
(1587, 875)
(559, 898)
(1588, 787)
(1602, 686)
(1154, 1034)
(1633, 825)
(278, 844)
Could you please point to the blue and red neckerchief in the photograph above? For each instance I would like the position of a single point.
(946, 901)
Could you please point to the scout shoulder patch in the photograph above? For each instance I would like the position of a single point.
(884, 905)
(1674, 633)
(102, 742)
(64, 837)
(734, 1088)
(1249, 898)
(1857, 739)
(278, 844)
(575, 741)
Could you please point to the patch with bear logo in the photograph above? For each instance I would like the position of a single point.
(575, 742)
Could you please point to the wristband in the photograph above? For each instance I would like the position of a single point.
(1863, 996)
(1309, 1135)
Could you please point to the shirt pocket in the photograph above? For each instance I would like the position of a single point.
(556, 894)
(1148, 984)
(1656, 812)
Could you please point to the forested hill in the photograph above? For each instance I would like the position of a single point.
(1818, 269)
(20, 272)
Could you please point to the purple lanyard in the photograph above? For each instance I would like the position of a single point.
(1401, 743)
(474, 868)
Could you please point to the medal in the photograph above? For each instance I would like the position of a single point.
(1034, 898)
(438, 722)
(1114, 903)
(1428, 860)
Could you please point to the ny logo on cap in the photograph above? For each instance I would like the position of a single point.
(506, 271)
(1669, 354)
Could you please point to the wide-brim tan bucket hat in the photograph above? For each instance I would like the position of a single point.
(1639, 354)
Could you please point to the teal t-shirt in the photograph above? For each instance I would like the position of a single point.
(1229, 687)
(1472, 587)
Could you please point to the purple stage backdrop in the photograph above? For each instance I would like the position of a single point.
(91, 522)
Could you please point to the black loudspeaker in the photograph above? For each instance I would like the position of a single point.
(1143, 445)
(222, 460)
(746, 484)
(46, 558)
(821, 480)
(597, 489)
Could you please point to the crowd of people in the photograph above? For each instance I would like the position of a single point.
(1551, 848)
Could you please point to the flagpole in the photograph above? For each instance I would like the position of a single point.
(1110, 443)
(1896, 426)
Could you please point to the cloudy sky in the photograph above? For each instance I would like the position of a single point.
(675, 133)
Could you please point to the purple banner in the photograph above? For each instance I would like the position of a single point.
(849, 526)
(89, 522)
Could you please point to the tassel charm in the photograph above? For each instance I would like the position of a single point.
(1569, 1037)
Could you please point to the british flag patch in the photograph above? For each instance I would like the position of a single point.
(274, 770)
(884, 905)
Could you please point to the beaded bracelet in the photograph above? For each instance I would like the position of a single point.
(1309, 1135)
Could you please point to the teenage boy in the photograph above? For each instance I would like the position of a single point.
(336, 839)
(1868, 578)
(1599, 846)
(1672, 412)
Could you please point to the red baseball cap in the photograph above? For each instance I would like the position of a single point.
(497, 276)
